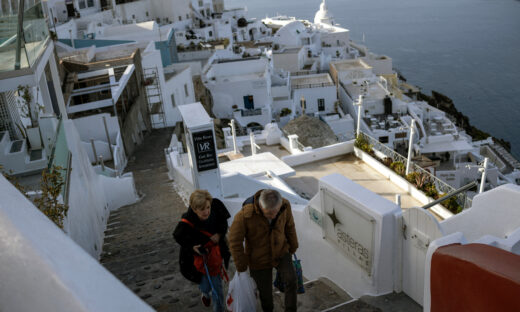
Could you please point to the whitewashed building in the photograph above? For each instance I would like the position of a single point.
(314, 93)
(241, 89)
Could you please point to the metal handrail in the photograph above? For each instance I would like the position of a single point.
(450, 195)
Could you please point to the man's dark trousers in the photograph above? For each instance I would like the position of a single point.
(264, 283)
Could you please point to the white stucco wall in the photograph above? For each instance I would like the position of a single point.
(176, 86)
(44, 270)
(227, 94)
(336, 266)
(88, 204)
(312, 95)
(496, 212)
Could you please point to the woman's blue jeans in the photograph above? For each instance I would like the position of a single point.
(219, 302)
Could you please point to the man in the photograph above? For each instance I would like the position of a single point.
(266, 224)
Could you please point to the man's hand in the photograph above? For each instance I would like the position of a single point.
(196, 249)
(215, 238)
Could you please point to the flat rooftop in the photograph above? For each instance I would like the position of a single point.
(375, 91)
(237, 70)
(306, 180)
(311, 81)
(350, 65)
(287, 50)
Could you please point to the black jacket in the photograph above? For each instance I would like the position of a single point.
(188, 237)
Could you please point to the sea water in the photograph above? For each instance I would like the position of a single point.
(468, 50)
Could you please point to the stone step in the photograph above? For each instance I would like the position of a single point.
(114, 250)
(319, 295)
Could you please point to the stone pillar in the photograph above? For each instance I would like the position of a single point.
(293, 139)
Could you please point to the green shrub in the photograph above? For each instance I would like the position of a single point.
(398, 167)
(419, 179)
(431, 191)
(51, 186)
(285, 112)
(387, 161)
(452, 205)
(363, 144)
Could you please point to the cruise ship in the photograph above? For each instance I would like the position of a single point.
(103, 106)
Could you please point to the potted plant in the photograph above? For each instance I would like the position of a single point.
(32, 111)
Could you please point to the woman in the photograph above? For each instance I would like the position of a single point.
(202, 228)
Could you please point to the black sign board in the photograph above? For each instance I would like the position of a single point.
(205, 152)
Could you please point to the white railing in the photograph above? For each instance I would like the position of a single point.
(441, 186)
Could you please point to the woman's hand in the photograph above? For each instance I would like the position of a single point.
(196, 249)
(215, 238)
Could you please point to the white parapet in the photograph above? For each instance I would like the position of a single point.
(357, 231)
(44, 270)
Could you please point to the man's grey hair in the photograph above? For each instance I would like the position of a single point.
(270, 199)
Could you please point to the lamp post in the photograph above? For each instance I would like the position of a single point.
(410, 145)
(253, 144)
(234, 133)
(359, 104)
(484, 172)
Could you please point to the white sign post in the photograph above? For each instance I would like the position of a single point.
(202, 148)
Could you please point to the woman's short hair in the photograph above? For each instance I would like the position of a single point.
(199, 198)
(270, 199)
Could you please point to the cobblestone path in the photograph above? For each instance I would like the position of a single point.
(139, 248)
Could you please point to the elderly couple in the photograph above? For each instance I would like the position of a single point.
(265, 223)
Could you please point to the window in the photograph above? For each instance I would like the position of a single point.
(200, 3)
(180, 18)
(187, 16)
(173, 100)
(208, 13)
(82, 4)
(210, 33)
(133, 16)
(321, 105)
(400, 135)
(147, 14)
(186, 90)
(90, 3)
(383, 139)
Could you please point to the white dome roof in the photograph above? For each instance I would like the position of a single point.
(289, 35)
(323, 16)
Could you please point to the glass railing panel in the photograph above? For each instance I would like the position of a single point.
(8, 36)
(34, 38)
(61, 157)
(36, 32)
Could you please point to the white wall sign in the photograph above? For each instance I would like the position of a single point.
(348, 227)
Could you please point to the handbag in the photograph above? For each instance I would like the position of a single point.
(213, 258)
(299, 275)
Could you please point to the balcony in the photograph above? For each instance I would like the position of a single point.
(33, 39)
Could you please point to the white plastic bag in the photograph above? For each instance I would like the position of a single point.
(241, 294)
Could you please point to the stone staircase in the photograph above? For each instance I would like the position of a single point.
(140, 251)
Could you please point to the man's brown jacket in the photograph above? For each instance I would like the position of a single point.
(265, 243)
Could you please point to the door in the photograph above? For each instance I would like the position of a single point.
(248, 102)
(419, 229)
